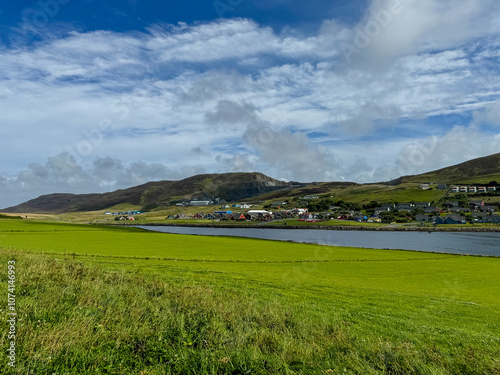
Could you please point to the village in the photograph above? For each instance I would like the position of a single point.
(315, 208)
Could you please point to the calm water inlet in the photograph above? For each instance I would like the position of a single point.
(473, 243)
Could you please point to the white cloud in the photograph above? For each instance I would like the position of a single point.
(490, 114)
(459, 144)
(395, 28)
(196, 97)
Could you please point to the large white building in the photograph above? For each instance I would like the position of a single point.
(200, 203)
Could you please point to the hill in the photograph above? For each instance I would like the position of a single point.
(227, 186)
(245, 186)
(480, 170)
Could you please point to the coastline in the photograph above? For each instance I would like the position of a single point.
(323, 227)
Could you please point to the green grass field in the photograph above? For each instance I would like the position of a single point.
(99, 300)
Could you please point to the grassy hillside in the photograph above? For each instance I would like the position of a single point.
(148, 304)
(405, 192)
(481, 170)
(227, 186)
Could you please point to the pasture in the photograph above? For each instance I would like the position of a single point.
(112, 300)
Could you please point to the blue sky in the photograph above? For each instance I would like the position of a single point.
(100, 95)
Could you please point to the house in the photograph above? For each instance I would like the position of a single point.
(451, 204)
(476, 204)
(488, 209)
(479, 215)
(472, 189)
(324, 215)
(422, 204)
(390, 206)
(481, 189)
(431, 210)
(424, 186)
(463, 189)
(461, 209)
(422, 218)
(283, 215)
(254, 214)
(310, 197)
(279, 215)
(450, 219)
(442, 187)
(222, 213)
(298, 211)
(492, 188)
(245, 206)
(404, 206)
(492, 219)
(233, 216)
(455, 189)
(279, 203)
(267, 217)
(455, 219)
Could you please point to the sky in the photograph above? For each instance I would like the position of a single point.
(102, 95)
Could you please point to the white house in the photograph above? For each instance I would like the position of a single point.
(257, 213)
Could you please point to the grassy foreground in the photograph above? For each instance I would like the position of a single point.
(123, 301)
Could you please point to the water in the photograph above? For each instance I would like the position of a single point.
(473, 243)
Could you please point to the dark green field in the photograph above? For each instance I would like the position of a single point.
(97, 300)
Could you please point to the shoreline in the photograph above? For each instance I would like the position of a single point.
(322, 227)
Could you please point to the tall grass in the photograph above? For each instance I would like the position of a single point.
(81, 319)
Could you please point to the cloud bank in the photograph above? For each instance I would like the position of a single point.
(347, 102)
